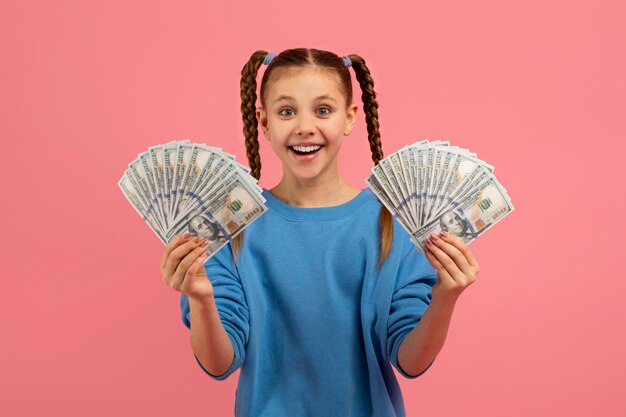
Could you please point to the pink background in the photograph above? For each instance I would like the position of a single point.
(536, 88)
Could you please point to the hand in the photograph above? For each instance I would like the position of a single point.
(455, 264)
(182, 266)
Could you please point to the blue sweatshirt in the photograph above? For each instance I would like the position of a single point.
(314, 325)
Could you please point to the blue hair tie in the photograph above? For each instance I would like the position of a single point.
(269, 58)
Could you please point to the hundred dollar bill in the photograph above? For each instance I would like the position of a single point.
(470, 182)
(461, 172)
(435, 173)
(181, 186)
(194, 163)
(393, 164)
(224, 175)
(146, 170)
(155, 154)
(383, 173)
(169, 157)
(428, 181)
(409, 172)
(442, 171)
(139, 179)
(427, 156)
(383, 197)
(142, 207)
(481, 208)
(231, 208)
(181, 158)
(206, 162)
(221, 173)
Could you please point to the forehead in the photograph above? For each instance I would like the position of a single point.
(303, 84)
(447, 216)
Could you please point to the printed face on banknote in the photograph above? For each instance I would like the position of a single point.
(201, 226)
(451, 222)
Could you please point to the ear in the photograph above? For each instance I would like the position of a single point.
(350, 118)
(261, 116)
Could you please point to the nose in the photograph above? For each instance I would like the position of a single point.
(305, 126)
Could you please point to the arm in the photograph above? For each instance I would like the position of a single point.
(420, 347)
(219, 320)
(209, 341)
(456, 269)
(217, 307)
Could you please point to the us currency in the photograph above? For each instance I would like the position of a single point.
(144, 168)
(180, 164)
(409, 171)
(442, 170)
(156, 161)
(424, 181)
(142, 207)
(382, 172)
(435, 173)
(139, 179)
(207, 162)
(463, 169)
(223, 171)
(230, 209)
(169, 158)
(383, 197)
(470, 182)
(401, 180)
(477, 212)
(428, 166)
(181, 186)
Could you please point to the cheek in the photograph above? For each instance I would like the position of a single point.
(333, 134)
(278, 147)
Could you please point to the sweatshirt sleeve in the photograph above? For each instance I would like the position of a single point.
(231, 306)
(411, 296)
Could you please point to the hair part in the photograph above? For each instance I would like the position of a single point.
(318, 59)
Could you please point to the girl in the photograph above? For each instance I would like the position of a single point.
(325, 292)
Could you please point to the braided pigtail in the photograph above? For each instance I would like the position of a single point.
(370, 108)
(250, 123)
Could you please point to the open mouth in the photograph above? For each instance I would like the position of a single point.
(306, 150)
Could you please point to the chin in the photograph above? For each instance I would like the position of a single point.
(306, 174)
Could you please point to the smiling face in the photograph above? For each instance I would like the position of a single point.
(306, 107)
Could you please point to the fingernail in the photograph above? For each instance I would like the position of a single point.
(198, 239)
(187, 235)
(443, 235)
(205, 243)
(434, 237)
(428, 242)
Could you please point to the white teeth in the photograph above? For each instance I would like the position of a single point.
(306, 148)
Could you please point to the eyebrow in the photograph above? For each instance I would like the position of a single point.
(283, 97)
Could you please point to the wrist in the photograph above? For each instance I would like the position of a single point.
(445, 297)
(201, 299)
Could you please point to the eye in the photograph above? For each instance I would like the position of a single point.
(282, 112)
(325, 108)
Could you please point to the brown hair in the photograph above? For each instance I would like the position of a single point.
(304, 57)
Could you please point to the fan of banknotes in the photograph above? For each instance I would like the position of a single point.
(432, 186)
(179, 186)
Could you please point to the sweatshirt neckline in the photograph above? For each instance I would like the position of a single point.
(315, 213)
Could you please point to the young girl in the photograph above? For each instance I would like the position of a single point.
(325, 291)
